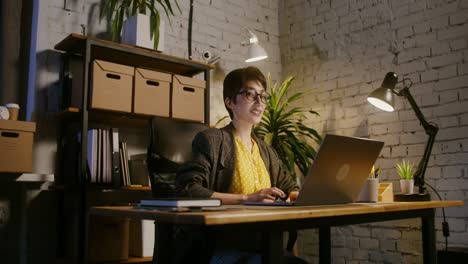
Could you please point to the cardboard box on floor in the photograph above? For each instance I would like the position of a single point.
(188, 98)
(108, 238)
(152, 92)
(16, 141)
(112, 87)
(141, 238)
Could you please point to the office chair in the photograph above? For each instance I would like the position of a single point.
(170, 146)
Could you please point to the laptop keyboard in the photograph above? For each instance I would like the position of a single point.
(275, 203)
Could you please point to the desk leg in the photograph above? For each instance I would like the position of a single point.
(272, 247)
(428, 238)
(324, 245)
(163, 247)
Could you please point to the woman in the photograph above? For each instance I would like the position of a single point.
(231, 163)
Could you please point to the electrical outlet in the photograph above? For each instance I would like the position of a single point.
(4, 213)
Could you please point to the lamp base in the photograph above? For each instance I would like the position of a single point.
(414, 197)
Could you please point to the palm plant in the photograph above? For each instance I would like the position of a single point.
(119, 9)
(283, 129)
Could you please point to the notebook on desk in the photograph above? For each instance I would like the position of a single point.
(341, 166)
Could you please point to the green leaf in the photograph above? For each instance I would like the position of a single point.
(405, 170)
(154, 27)
(118, 9)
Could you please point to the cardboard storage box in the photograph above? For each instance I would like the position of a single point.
(141, 238)
(112, 86)
(16, 141)
(152, 92)
(188, 98)
(108, 238)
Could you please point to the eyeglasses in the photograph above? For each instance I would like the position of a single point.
(252, 95)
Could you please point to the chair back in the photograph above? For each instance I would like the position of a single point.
(170, 146)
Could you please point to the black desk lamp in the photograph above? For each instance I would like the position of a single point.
(383, 98)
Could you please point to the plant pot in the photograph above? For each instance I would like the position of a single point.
(407, 186)
(136, 31)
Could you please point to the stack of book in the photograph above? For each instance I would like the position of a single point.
(107, 157)
(180, 202)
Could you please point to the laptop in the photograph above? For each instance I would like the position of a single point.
(338, 173)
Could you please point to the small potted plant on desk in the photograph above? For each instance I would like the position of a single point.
(405, 170)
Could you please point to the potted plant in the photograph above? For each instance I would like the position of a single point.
(121, 9)
(406, 171)
(282, 127)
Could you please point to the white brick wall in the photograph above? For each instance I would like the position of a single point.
(340, 50)
(355, 43)
(217, 27)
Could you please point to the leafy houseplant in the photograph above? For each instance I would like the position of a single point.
(282, 128)
(406, 171)
(119, 9)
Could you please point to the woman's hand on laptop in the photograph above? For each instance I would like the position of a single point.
(292, 196)
(265, 195)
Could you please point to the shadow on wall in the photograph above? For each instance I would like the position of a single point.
(93, 14)
(363, 129)
(330, 124)
(48, 102)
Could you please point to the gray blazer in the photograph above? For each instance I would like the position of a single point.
(213, 165)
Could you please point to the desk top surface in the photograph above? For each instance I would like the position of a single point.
(249, 214)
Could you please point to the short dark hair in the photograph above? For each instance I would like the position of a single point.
(235, 81)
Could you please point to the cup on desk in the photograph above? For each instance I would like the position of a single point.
(370, 191)
(14, 110)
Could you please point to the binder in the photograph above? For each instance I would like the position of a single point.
(92, 153)
(116, 178)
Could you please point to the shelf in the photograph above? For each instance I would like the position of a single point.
(131, 55)
(129, 260)
(109, 117)
(81, 51)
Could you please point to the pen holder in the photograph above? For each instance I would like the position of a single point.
(370, 191)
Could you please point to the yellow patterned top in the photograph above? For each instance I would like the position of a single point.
(251, 174)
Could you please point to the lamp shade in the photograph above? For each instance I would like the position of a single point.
(382, 97)
(256, 53)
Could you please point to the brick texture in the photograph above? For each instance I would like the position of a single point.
(340, 50)
(355, 43)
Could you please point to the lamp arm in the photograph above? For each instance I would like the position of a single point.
(431, 130)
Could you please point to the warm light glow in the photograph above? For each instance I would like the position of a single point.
(256, 58)
(380, 104)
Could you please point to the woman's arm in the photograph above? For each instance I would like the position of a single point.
(192, 179)
(264, 195)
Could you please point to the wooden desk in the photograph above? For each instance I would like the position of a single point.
(272, 222)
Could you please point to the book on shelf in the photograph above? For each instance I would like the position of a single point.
(124, 163)
(116, 178)
(181, 202)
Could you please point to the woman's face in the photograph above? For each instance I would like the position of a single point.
(249, 107)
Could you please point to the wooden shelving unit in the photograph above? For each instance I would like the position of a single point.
(80, 119)
(128, 261)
